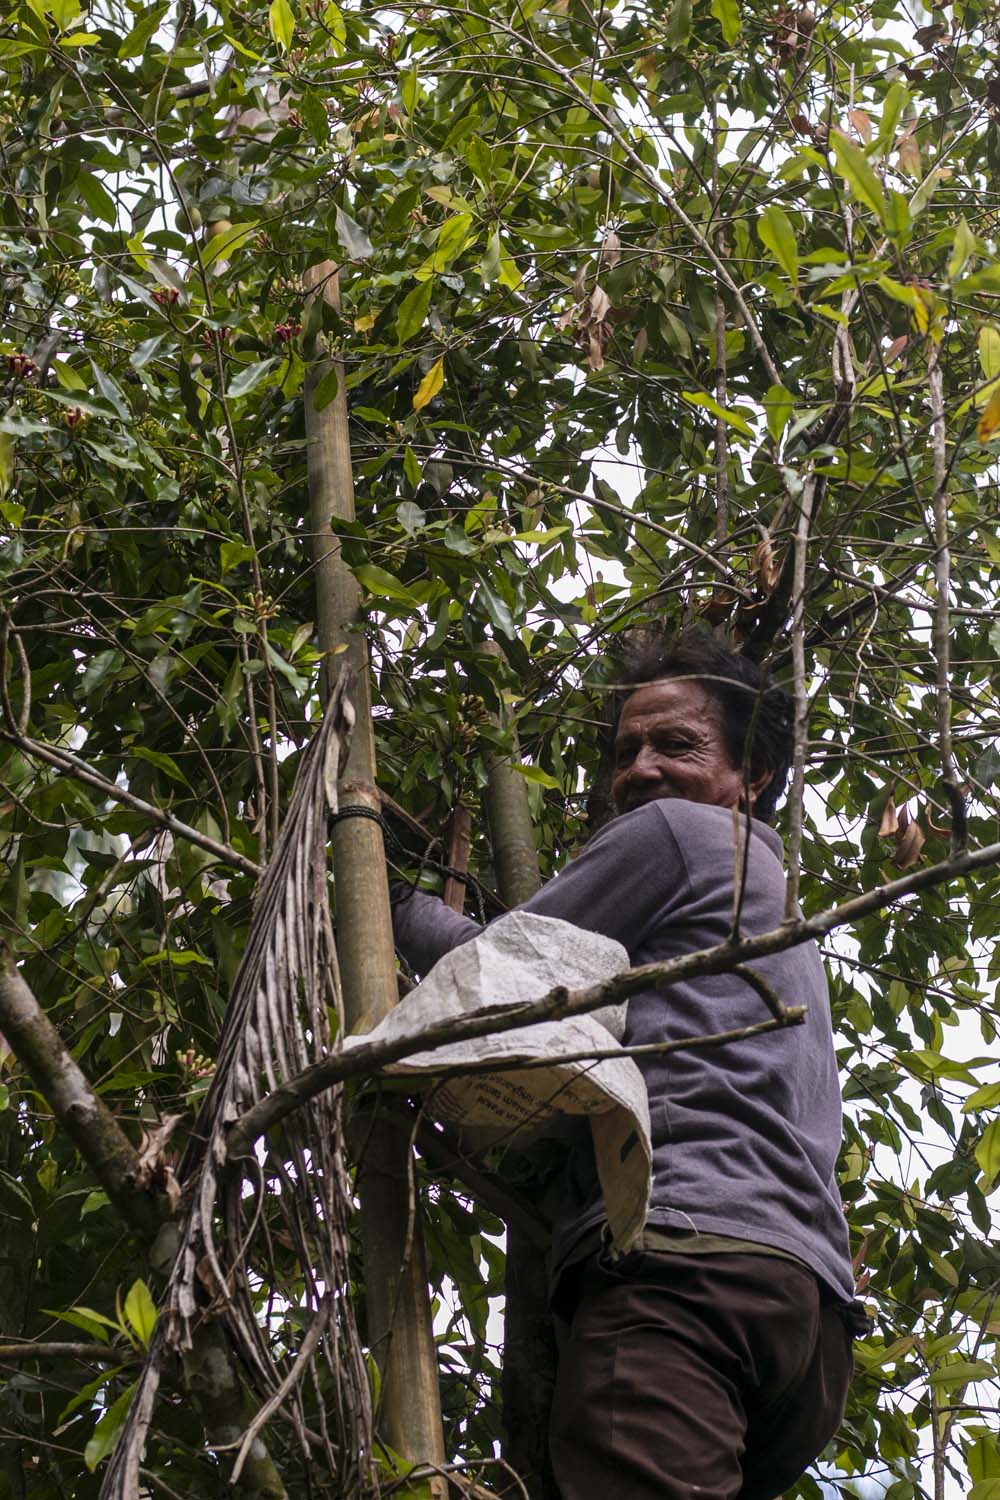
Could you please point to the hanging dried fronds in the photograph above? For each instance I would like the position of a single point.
(297, 1196)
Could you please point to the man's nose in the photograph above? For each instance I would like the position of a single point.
(646, 765)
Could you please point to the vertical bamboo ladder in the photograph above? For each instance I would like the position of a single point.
(529, 1358)
(399, 1316)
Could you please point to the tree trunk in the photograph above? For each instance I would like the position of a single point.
(529, 1354)
(399, 1316)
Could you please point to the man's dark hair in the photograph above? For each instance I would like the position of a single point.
(757, 717)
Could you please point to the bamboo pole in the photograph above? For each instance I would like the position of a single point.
(529, 1354)
(399, 1315)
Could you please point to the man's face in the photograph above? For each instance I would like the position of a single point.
(670, 744)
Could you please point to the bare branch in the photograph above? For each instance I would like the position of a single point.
(942, 619)
(801, 550)
(71, 765)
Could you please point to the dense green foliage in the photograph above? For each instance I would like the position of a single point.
(619, 286)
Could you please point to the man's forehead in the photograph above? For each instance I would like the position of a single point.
(675, 699)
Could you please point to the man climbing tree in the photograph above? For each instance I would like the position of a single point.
(716, 1360)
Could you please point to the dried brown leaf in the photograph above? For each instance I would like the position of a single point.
(861, 123)
(153, 1170)
(765, 565)
(611, 251)
(895, 349)
(890, 819)
(910, 839)
(595, 349)
(597, 306)
(639, 346)
(580, 282)
(718, 606)
(908, 154)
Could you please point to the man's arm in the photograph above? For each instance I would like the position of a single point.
(424, 928)
(626, 878)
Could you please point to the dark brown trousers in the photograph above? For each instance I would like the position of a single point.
(695, 1377)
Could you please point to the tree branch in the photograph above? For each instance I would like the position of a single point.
(86, 1119)
(369, 1058)
(98, 1354)
(942, 617)
(72, 765)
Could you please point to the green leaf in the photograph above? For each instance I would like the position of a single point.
(161, 761)
(962, 1372)
(429, 386)
(452, 238)
(854, 167)
(411, 466)
(963, 248)
(140, 1312)
(727, 13)
(896, 99)
(234, 554)
(382, 584)
(537, 775)
(326, 388)
(988, 1152)
(85, 1318)
(985, 1489)
(779, 404)
(97, 198)
(413, 310)
(249, 377)
(679, 24)
(6, 462)
(108, 1430)
(986, 1097)
(775, 230)
(497, 610)
(281, 20)
(410, 89)
(222, 246)
(67, 377)
(351, 235)
(734, 418)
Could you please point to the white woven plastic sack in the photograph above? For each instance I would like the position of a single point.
(522, 957)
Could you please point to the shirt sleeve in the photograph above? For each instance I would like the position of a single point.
(425, 929)
(626, 879)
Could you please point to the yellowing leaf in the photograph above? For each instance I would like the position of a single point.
(429, 386)
(140, 1311)
(989, 350)
(727, 13)
(990, 419)
(281, 19)
(988, 1152)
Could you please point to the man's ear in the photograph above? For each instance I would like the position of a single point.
(758, 785)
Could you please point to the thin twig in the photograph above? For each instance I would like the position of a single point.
(71, 765)
(942, 618)
(801, 549)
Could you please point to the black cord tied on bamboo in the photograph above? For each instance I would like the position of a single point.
(401, 889)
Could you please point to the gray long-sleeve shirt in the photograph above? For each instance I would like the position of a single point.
(746, 1134)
